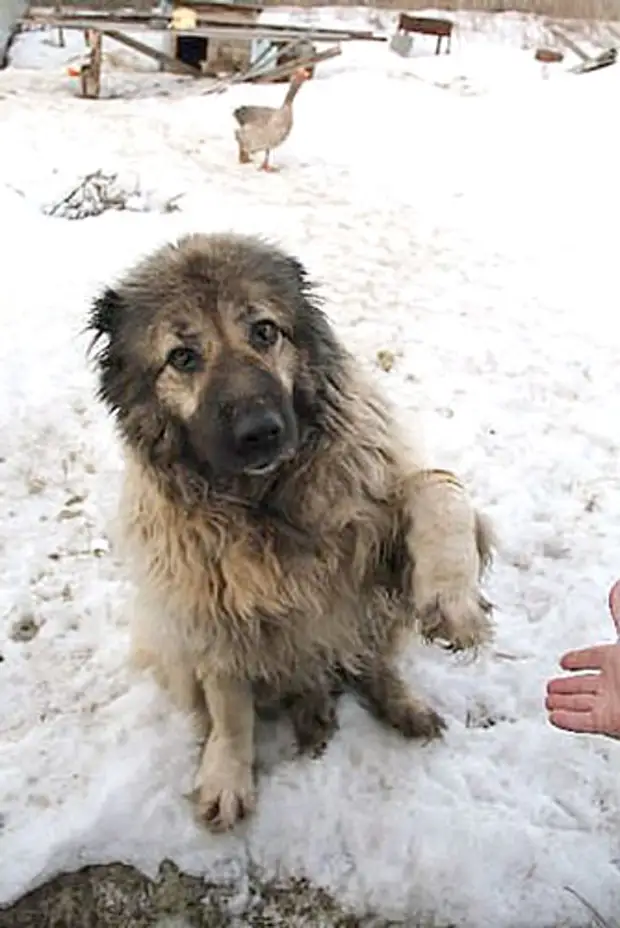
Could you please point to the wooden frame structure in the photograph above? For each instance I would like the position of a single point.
(116, 25)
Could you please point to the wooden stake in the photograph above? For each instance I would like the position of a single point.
(61, 31)
(90, 75)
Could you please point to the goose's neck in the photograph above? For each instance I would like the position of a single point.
(291, 93)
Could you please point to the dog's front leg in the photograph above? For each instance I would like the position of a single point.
(450, 544)
(225, 779)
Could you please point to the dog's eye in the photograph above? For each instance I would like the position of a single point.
(185, 360)
(264, 334)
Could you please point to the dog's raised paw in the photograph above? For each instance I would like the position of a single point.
(464, 622)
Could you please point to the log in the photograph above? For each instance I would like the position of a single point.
(174, 64)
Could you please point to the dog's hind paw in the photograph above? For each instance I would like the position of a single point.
(314, 722)
(416, 720)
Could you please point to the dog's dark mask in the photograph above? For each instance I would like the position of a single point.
(250, 432)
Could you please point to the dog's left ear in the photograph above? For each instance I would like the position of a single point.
(313, 332)
(105, 315)
(300, 275)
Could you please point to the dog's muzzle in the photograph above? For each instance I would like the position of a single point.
(260, 439)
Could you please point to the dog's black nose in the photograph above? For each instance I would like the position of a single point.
(258, 432)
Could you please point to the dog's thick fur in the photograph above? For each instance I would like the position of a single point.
(277, 583)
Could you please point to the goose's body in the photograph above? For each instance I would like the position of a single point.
(263, 128)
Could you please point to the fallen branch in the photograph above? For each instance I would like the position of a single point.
(97, 192)
(600, 921)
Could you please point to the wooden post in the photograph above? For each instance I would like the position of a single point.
(61, 31)
(90, 75)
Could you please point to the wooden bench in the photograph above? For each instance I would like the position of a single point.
(426, 25)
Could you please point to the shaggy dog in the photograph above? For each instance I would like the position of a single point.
(282, 535)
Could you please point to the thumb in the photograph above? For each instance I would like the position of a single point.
(614, 604)
(587, 658)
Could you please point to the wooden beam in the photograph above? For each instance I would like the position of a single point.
(615, 32)
(283, 70)
(205, 27)
(174, 64)
(255, 69)
(568, 42)
(604, 60)
(244, 32)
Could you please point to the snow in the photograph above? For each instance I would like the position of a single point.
(458, 212)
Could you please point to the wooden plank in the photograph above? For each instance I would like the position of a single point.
(283, 70)
(174, 64)
(205, 26)
(604, 60)
(245, 32)
(568, 42)
(615, 32)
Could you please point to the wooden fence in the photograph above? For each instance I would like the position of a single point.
(559, 9)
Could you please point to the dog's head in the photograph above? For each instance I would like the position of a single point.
(216, 356)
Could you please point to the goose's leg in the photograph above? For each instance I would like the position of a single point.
(265, 166)
(244, 155)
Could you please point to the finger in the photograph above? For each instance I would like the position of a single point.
(587, 658)
(586, 683)
(570, 702)
(580, 722)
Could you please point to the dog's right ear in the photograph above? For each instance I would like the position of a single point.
(105, 316)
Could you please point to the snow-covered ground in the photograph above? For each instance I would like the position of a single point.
(460, 212)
